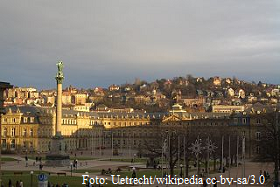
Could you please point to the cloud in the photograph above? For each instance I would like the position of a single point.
(104, 42)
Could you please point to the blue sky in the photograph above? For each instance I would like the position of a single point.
(105, 42)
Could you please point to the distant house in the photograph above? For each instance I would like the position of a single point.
(199, 79)
(114, 87)
(80, 98)
(187, 101)
(217, 81)
(227, 108)
(81, 108)
(102, 108)
(228, 80)
(241, 94)
(230, 92)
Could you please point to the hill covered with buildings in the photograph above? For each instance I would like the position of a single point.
(193, 93)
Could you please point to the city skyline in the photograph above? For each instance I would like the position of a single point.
(103, 43)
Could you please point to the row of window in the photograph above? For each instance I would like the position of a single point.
(15, 120)
(13, 133)
(12, 144)
(69, 121)
(126, 123)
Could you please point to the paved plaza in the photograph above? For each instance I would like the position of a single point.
(251, 168)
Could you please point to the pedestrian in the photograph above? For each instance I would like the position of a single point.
(204, 183)
(10, 183)
(17, 184)
(215, 182)
(21, 183)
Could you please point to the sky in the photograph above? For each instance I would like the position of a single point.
(104, 42)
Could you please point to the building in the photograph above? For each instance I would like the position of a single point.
(80, 98)
(29, 129)
(227, 108)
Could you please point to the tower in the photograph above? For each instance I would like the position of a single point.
(57, 155)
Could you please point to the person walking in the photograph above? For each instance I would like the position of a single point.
(215, 182)
(10, 183)
(21, 183)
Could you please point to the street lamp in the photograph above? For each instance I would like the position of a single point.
(88, 181)
(181, 174)
(71, 166)
(210, 147)
(134, 157)
(133, 172)
(31, 173)
(196, 148)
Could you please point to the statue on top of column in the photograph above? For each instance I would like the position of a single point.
(60, 67)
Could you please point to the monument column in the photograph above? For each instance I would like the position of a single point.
(57, 155)
(59, 79)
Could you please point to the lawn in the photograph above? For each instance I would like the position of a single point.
(7, 159)
(138, 160)
(71, 158)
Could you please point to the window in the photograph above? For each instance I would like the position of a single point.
(258, 149)
(13, 144)
(13, 132)
(4, 144)
(258, 136)
(24, 144)
(258, 121)
(31, 132)
(244, 120)
(25, 120)
(5, 132)
(24, 132)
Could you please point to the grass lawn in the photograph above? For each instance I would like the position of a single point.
(71, 158)
(141, 160)
(26, 178)
(7, 159)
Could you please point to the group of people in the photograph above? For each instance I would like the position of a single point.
(265, 174)
(18, 184)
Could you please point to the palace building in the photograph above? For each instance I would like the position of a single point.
(29, 128)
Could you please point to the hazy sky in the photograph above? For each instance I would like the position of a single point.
(104, 42)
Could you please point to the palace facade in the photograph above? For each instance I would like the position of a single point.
(29, 129)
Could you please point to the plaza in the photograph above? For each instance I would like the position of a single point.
(17, 168)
